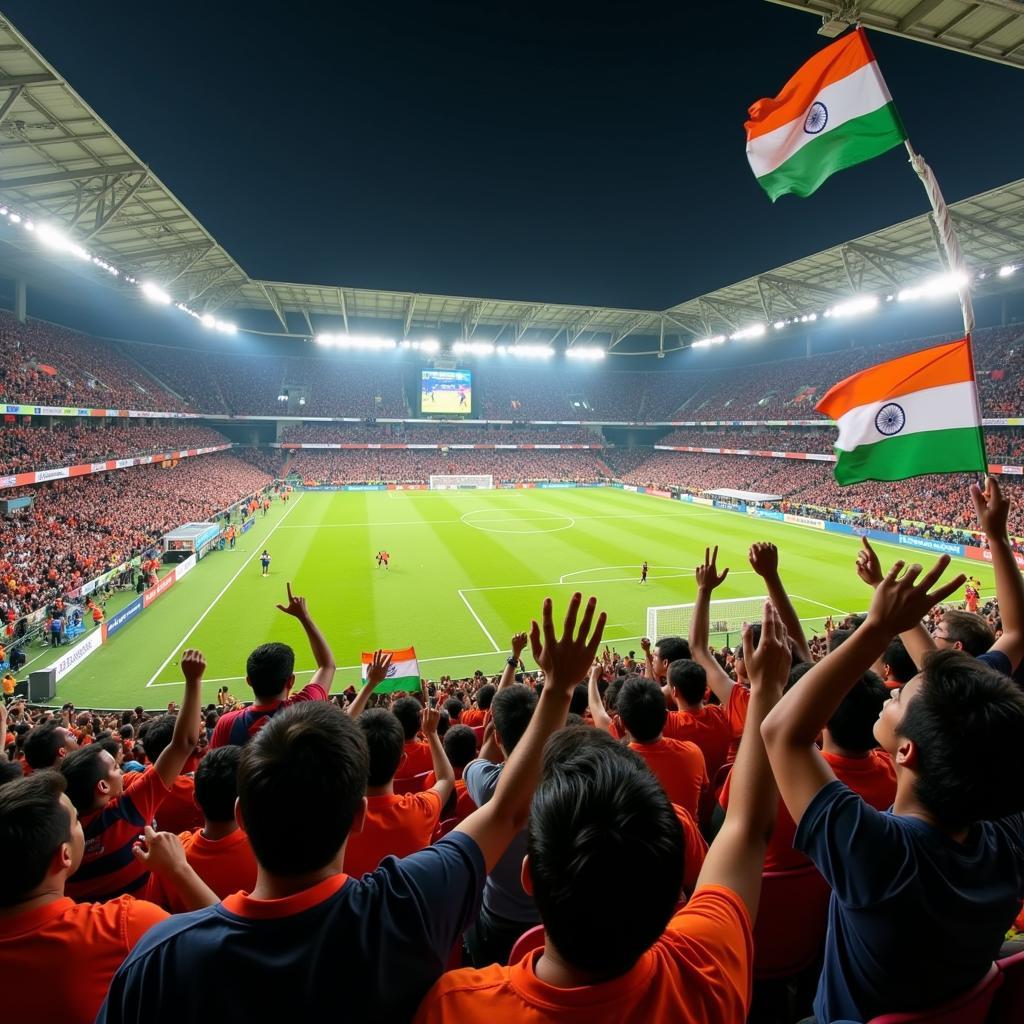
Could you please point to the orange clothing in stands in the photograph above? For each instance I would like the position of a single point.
(679, 767)
(226, 865)
(178, 812)
(395, 825)
(695, 848)
(736, 712)
(709, 728)
(474, 716)
(417, 761)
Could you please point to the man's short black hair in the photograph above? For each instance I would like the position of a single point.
(384, 742)
(269, 668)
(967, 723)
(838, 637)
(970, 629)
(460, 745)
(216, 783)
(10, 771)
(82, 770)
(641, 706)
(688, 679)
(407, 710)
(42, 744)
(485, 695)
(611, 695)
(672, 648)
(155, 736)
(301, 780)
(852, 725)
(598, 807)
(512, 710)
(579, 700)
(901, 665)
(33, 824)
(454, 708)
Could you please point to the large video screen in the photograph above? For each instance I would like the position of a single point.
(446, 392)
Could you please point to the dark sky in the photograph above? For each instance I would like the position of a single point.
(590, 154)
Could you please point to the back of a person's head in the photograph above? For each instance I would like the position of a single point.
(485, 695)
(838, 637)
(10, 772)
(460, 745)
(269, 668)
(407, 710)
(385, 741)
(967, 724)
(970, 629)
(82, 770)
(672, 648)
(216, 783)
(611, 695)
(156, 735)
(597, 809)
(33, 824)
(512, 710)
(901, 665)
(42, 745)
(301, 780)
(688, 679)
(579, 700)
(852, 725)
(454, 707)
(641, 706)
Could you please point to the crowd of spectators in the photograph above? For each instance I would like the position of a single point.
(79, 527)
(69, 443)
(395, 433)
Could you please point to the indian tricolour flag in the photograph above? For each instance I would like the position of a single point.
(913, 415)
(404, 673)
(833, 113)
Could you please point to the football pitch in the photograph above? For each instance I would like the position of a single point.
(468, 569)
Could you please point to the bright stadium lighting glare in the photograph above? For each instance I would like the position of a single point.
(430, 345)
(779, 324)
(4, 211)
(473, 348)
(15, 219)
(935, 288)
(207, 320)
(717, 339)
(854, 307)
(155, 294)
(745, 333)
(529, 351)
(585, 352)
(226, 327)
(29, 226)
(1007, 270)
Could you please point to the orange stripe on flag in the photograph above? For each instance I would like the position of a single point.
(405, 654)
(835, 62)
(930, 368)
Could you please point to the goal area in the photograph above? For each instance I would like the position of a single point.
(725, 619)
(460, 481)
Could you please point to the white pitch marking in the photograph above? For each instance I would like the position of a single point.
(479, 621)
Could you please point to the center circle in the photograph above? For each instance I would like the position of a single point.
(506, 523)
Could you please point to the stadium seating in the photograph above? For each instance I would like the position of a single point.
(970, 1008)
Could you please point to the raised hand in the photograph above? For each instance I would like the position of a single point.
(645, 645)
(869, 568)
(429, 720)
(768, 663)
(519, 641)
(764, 559)
(566, 660)
(708, 577)
(193, 665)
(992, 508)
(160, 851)
(901, 602)
(296, 606)
(377, 671)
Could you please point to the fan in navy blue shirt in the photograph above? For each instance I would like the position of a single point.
(309, 939)
(922, 894)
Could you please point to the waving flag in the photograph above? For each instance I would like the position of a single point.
(835, 112)
(913, 415)
(404, 673)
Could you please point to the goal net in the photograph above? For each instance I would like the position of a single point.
(725, 620)
(458, 481)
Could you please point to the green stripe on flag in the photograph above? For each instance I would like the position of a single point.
(960, 450)
(410, 684)
(844, 146)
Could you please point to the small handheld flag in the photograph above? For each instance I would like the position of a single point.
(910, 416)
(404, 673)
(834, 113)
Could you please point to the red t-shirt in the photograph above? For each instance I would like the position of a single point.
(474, 716)
(417, 761)
(709, 728)
(395, 825)
(679, 767)
(736, 712)
(226, 865)
(260, 714)
(698, 972)
(179, 813)
(695, 848)
(58, 959)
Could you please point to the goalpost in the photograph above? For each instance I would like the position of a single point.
(461, 481)
(725, 619)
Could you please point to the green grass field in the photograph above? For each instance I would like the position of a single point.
(469, 568)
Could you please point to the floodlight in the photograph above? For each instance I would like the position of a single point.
(779, 324)
(744, 333)
(226, 327)
(585, 352)
(15, 219)
(207, 320)
(856, 306)
(1007, 270)
(155, 293)
(935, 288)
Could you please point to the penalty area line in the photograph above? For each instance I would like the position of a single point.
(224, 590)
(479, 621)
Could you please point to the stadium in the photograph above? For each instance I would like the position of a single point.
(292, 478)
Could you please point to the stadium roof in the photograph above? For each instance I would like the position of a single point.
(61, 164)
(993, 29)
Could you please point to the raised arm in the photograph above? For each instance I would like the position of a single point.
(376, 673)
(564, 660)
(708, 579)
(764, 560)
(188, 723)
(322, 655)
(645, 646)
(791, 730)
(163, 854)
(508, 673)
(993, 510)
(597, 710)
(736, 857)
(444, 774)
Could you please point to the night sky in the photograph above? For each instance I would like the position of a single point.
(591, 154)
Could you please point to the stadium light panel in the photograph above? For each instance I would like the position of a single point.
(779, 324)
(473, 348)
(1007, 270)
(531, 351)
(717, 339)
(208, 321)
(225, 327)
(746, 333)
(15, 219)
(856, 306)
(586, 352)
(155, 293)
(935, 288)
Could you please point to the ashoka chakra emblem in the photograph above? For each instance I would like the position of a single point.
(891, 419)
(817, 118)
